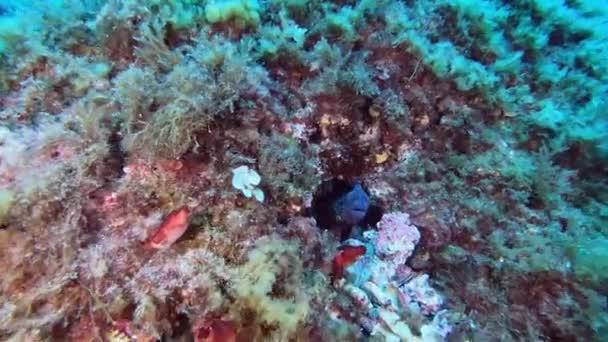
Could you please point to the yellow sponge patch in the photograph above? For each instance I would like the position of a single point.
(242, 12)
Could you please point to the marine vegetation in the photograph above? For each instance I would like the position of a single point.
(291, 170)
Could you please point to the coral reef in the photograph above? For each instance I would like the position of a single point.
(289, 170)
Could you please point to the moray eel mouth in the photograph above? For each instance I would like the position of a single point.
(362, 210)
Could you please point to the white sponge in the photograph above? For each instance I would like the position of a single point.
(247, 180)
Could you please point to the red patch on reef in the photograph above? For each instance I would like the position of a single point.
(215, 331)
(289, 71)
(434, 232)
(549, 300)
(120, 43)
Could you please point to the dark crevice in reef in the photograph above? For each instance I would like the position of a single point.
(116, 157)
(324, 198)
(374, 215)
(182, 327)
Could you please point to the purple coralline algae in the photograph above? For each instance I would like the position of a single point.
(386, 291)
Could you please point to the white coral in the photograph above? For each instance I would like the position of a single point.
(420, 293)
